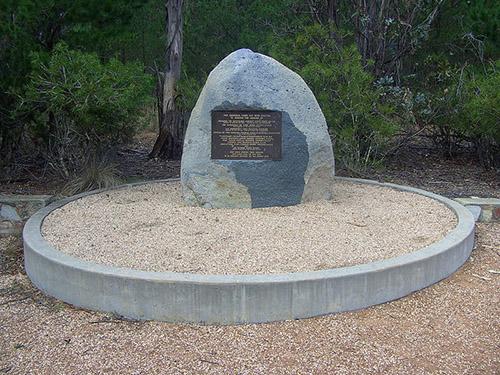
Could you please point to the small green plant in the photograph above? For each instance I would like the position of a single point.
(96, 174)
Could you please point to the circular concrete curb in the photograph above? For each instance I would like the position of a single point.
(236, 299)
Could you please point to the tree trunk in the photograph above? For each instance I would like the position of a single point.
(168, 145)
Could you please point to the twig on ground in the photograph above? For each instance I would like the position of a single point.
(490, 247)
(115, 318)
(212, 362)
(356, 224)
(14, 300)
(105, 320)
(481, 277)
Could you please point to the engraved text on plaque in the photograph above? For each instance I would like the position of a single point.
(250, 135)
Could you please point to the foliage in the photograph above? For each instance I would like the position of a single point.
(34, 26)
(213, 29)
(387, 32)
(431, 103)
(75, 103)
(466, 31)
(189, 89)
(28, 26)
(482, 20)
(14, 67)
(456, 106)
(482, 115)
(443, 76)
(144, 37)
(360, 122)
(429, 60)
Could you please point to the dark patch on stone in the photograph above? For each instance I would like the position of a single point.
(273, 183)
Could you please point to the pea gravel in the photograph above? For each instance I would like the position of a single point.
(146, 227)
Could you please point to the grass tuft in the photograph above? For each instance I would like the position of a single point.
(97, 174)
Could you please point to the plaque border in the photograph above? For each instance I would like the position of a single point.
(279, 145)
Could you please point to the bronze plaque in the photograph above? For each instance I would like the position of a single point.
(247, 135)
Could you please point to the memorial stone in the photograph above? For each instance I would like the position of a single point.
(256, 138)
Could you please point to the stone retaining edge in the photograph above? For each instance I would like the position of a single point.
(486, 209)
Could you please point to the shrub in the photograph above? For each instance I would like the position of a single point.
(482, 115)
(437, 99)
(459, 106)
(74, 103)
(357, 118)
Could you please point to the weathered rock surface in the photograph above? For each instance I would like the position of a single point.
(9, 213)
(245, 80)
(15, 209)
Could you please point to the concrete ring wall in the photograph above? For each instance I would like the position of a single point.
(236, 299)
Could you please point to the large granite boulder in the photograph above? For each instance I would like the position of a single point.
(244, 82)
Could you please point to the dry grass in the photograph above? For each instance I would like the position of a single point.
(96, 174)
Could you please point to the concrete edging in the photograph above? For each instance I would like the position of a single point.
(237, 299)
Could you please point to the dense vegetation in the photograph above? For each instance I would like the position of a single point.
(77, 75)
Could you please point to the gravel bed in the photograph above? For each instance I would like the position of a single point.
(146, 227)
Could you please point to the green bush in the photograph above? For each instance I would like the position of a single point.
(74, 104)
(358, 119)
(457, 106)
(482, 115)
(438, 98)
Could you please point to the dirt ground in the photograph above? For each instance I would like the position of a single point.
(452, 327)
